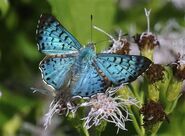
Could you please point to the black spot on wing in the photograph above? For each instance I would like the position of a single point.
(60, 35)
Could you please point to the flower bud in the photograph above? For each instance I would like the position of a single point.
(153, 113)
(146, 43)
(179, 71)
(155, 73)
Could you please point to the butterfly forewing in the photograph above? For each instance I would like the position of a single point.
(122, 68)
(53, 38)
(56, 71)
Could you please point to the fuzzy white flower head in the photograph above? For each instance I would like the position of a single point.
(181, 59)
(48, 116)
(58, 107)
(61, 104)
(108, 107)
(180, 54)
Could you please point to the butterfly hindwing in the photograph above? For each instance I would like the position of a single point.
(53, 38)
(56, 71)
(122, 68)
(90, 82)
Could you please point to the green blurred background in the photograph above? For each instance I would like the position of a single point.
(21, 111)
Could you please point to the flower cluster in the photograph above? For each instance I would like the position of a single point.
(102, 107)
(179, 67)
(158, 91)
(155, 73)
(61, 106)
(146, 41)
(153, 112)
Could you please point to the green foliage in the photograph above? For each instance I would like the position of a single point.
(4, 5)
(75, 16)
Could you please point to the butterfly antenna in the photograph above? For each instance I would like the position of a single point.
(91, 26)
(110, 36)
(98, 42)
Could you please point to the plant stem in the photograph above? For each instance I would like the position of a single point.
(139, 131)
(168, 110)
(134, 92)
(85, 131)
(142, 128)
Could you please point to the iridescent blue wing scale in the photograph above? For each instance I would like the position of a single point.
(90, 82)
(56, 71)
(53, 38)
(122, 68)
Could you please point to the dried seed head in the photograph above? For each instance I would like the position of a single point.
(146, 41)
(61, 105)
(179, 71)
(179, 67)
(155, 73)
(153, 113)
(121, 47)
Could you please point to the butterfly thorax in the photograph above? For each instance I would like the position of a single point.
(85, 55)
(85, 58)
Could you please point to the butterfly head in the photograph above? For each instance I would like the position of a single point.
(91, 45)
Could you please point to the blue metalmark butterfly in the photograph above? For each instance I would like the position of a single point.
(69, 65)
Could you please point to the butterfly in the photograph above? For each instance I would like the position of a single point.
(70, 65)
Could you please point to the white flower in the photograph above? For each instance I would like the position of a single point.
(58, 106)
(108, 107)
(53, 108)
(181, 59)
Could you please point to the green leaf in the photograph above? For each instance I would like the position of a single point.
(75, 16)
(28, 49)
(12, 103)
(174, 90)
(77, 122)
(11, 127)
(153, 92)
(164, 84)
(21, 103)
(100, 128)
(4, 6)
